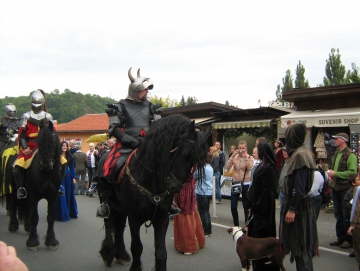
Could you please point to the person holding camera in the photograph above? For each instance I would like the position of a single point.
(242, 163)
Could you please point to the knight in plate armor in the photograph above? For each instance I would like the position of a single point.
(9, 126)
(129, 122)
(28, 132)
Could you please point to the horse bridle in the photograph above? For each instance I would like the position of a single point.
(53, 157)
(157, 198)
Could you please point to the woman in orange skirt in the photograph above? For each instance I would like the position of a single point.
(188, 231)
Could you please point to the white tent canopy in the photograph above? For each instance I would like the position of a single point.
(323, 118)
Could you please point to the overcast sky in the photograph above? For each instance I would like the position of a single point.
(214, 50)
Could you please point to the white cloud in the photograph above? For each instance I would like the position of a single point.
(213, 50)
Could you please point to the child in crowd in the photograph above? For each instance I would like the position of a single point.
(354, 214)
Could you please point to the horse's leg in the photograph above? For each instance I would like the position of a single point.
(13, 209)
(160, 229)
(33, 241)
(50, 240)
(136, 245)
(121, 255)
(107, 250)
(7, 201)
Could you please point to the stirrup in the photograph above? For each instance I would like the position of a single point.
(99, 209)
(21, 193)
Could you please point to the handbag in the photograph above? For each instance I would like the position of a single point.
(236, 187)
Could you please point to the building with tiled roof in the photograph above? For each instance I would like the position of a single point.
(82, 128)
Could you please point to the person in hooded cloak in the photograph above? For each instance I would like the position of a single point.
(298, 230)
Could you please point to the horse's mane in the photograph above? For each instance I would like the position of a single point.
(45, 139)
(163, 136)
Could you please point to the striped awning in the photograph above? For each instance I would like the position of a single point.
(242, 124)
(203, 120)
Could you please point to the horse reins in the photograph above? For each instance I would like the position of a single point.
(156, 198)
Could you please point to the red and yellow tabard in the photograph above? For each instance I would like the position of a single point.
(31, 135)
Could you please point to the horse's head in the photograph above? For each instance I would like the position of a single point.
(48, 145)
(172, 147)
(187, 156)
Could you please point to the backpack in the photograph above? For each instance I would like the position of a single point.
(325, 191)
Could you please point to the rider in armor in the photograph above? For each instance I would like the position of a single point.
(9, 126)
(129, 122)
(28, 133)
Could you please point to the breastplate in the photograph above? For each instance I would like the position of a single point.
(136, 117)
(8, 127)
(35, 118)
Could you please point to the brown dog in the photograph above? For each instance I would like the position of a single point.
(249, 248)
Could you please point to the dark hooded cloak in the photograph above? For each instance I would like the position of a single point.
(300, 237)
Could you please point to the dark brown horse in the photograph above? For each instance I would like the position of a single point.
(156, 171)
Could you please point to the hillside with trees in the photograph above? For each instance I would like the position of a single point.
(64, 107)
(69, 105)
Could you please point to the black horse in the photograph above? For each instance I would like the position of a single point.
(156, 171)
(8, 156)
(42, 181)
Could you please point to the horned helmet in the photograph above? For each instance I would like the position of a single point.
(10, 111)
(37, 101)
(137, 84)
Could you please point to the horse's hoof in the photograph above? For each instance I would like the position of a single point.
(123, 258)
(109, 264)
(123, 262)
(52, 248)
(36, 248)
(13, 229)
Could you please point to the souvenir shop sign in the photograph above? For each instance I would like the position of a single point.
(323, 118)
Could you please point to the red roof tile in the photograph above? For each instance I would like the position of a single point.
(88, 122)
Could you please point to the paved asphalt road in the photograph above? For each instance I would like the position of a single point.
(80, 240)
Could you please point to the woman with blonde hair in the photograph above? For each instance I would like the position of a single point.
(215, 165)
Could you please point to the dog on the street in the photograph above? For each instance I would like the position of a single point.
(249, 248)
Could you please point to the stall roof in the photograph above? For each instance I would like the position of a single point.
(252, 114)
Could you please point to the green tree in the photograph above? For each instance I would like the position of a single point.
(166, 102)
(228, 104)
(191, 100)
(182, 101)
(353, 76)
(278, 94)
(300, 81)
(334, 70)
(288, 81)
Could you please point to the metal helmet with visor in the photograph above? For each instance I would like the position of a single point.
(10, 111)
(37, 101)
(138, 84)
